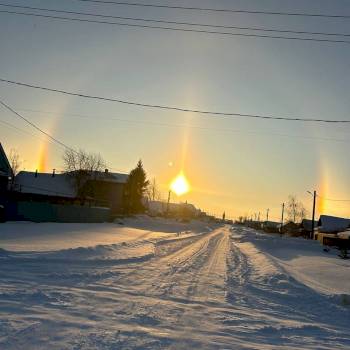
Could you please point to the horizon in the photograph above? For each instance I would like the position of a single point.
(235, 165)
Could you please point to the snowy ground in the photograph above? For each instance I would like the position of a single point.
(152, 284)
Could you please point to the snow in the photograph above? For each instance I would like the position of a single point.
(344, 235)
(45, 184)
(307, 262)
(161, 284)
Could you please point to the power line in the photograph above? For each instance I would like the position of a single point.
(209, 9)
(176, 22)
(9, 125)
(227, 34)
(42, 131)
(178, 109)
(35, 126)
(162, 124)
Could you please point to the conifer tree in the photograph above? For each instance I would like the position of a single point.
(135, 189)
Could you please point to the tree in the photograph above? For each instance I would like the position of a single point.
(153, 192)
(296, 211)
(81, 166)
(135, 189)
(15, 161)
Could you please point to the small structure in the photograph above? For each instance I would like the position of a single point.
(334, 231)
(306, 225)
(333, 224)
(271, 226)
(306, 228)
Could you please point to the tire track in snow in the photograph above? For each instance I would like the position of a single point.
(273, 306)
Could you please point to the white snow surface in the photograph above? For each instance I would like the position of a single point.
(158, 284)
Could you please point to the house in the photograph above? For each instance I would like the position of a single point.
(103, 189)
(5, 172)
(5, 178)
(333, 224)
(306, 225)
(57, 197)
(44, 187)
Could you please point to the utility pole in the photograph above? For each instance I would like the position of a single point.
(167, 207)
(259, 217)
(267, 214)
(281, 230)
(154, 189)
(313, 217)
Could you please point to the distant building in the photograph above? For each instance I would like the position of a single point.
(173, 209)
(271, 226)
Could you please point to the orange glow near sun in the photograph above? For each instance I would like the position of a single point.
(180, 185)
(42, 161)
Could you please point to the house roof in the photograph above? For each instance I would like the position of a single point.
(5, 167)
(59, 185)
(112, 177)
(45, 184)
(307, 224)
(333, 223)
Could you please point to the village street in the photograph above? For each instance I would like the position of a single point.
(213, 287)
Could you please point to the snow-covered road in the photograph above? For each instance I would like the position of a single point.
(213, 290)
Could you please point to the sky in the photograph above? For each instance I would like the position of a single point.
(238, 165)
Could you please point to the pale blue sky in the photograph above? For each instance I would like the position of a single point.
(233, 164)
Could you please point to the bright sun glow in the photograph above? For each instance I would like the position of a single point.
(180, 185)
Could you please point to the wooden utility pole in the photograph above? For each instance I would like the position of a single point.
(167, 207)
(313, 217)
(281, 230)
(259, 216)
(267, 214)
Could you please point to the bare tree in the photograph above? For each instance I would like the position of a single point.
(295, 209)
(302, 212)
(82, 161)
(153, 192)
(15, 161)
(292, 208)
(81, 166)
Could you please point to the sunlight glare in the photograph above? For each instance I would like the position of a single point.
(180, 185)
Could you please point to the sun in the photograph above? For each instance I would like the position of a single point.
(180, 185)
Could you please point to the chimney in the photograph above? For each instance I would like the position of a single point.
(53, 172)
(36, 173)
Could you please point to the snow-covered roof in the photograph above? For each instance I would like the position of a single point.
(333, 223)
(307, 224)
(113, 177)
(60, 185)
(45, 184)
(107, 176)
(344, 235)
